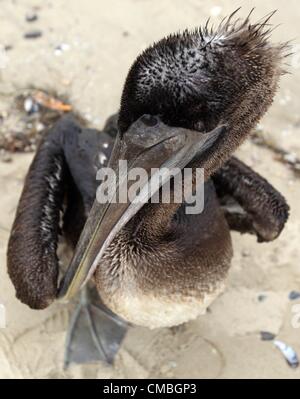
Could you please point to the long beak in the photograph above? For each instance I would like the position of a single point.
(148, 143)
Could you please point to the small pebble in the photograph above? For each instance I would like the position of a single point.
(61, 48)
(39, 127)
(102, 158)
(294, 295)
(262, 297)
(173, 364)
(28, 103)
(33, 34)
(290, 157)
(267, 336)
(31, 17)
(245, 253)
(288, 352)
(30, 106)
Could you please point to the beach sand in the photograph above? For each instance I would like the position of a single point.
(99, 41)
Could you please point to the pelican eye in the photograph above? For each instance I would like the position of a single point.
(149, 120)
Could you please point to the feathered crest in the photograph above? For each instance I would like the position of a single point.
(208, 67)
(230, 31)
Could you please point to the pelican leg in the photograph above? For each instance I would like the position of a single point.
(251, 204)
(95, 333)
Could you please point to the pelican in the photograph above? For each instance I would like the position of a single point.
(189, 101)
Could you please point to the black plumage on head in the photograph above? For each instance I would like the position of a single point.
(197, 79)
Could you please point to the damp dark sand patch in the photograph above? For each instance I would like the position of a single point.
(29, 114)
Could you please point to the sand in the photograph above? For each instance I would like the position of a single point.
(101, 39)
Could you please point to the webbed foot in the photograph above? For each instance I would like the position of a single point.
(95, 333)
